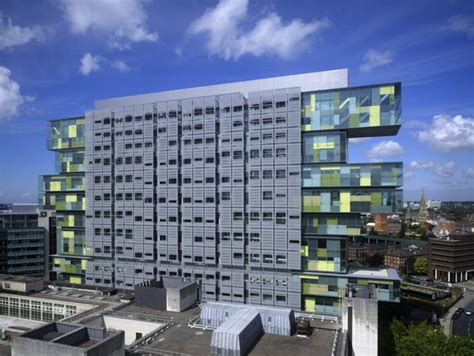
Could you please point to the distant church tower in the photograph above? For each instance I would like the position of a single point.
(423, 214)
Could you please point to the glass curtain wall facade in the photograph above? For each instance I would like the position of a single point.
(336, 193)
(64, 192)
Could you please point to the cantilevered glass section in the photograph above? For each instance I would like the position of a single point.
(67, 134)
(332, 224)
(352, 201)
(355, 110)
(354, 175)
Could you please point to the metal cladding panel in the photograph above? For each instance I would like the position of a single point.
(307, 82)
(237, 334)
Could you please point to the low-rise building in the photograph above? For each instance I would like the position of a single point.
(20, 284)
(58, 338)
(451, 259)
(358, 251)
(398, 258)
(387, 224)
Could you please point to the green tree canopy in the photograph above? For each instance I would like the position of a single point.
(422, 339)
(421, 265)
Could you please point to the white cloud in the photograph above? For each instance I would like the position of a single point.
(10, 96)
(421, 164)
(227, 38)
(12, 35)
(90, 63)
(447, 133)
(375, 59)
(445, 170)
(358, 140)
(27, 195)
(409, 176)
(462, 24)
(124, 21)
(385, 149)
(120, 66)
(469, 172)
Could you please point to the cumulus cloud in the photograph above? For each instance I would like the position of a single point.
(10, 96)
(469, 172)
(124, 21)
(421, 164)
(93, 63)
(12, 35)
(227, 38)
(375, 59)
(358, 140)
(90, 63)
(385, 149)
(120, 66)
(460, 24)
(445, 170)
(447, 133)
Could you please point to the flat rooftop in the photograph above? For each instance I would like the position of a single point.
(180, 338)
(19, 279)
(331, 79)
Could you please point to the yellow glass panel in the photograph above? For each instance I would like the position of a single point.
(323, 145)
(83, 203)
(345, 202)
(306, 276)
(55, 186)
(68, 234)
(374, 116)
(84, 264)
(344, 103)
(56, 261)
(309, 304)
(71, 198)
(353, 231)
(312, 102)
(387, 90)
(304, 250)
(70, 220)
(322, 252)
(75, 280)
(365, 181)
(72, 131)
(330, 168)
(332, 221)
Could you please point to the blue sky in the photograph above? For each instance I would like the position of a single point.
(57, 57)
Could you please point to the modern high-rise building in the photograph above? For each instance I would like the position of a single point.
(64, 193)
(245, 186)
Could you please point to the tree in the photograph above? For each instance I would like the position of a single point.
(375, 260)
(421, 265)
(422, 339)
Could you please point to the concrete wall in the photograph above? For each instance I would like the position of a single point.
(130, 327)
(151, 297)
(360, 320)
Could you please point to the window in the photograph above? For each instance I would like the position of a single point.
(225, 154)
(280, 173)
(267, 174)
(254, 216)
(119, 160)
(210, 140)
(237, 154)
(128, 160)
(281, 152)
(280, 135)
(119, 179)
(267, 136)
(280, 120)
(209, 159)
(280, 104)
(281, 218)
(267, 120)
(187, 142)
(254, 153)
(254, 174)
(267, 195)
(225, 196)
(267, 216)
(267, 153)
(238, 216)
(172, 143)
(129, 178)
(198, 141)
(97, 179)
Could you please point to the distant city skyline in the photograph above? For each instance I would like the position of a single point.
(54, 62)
